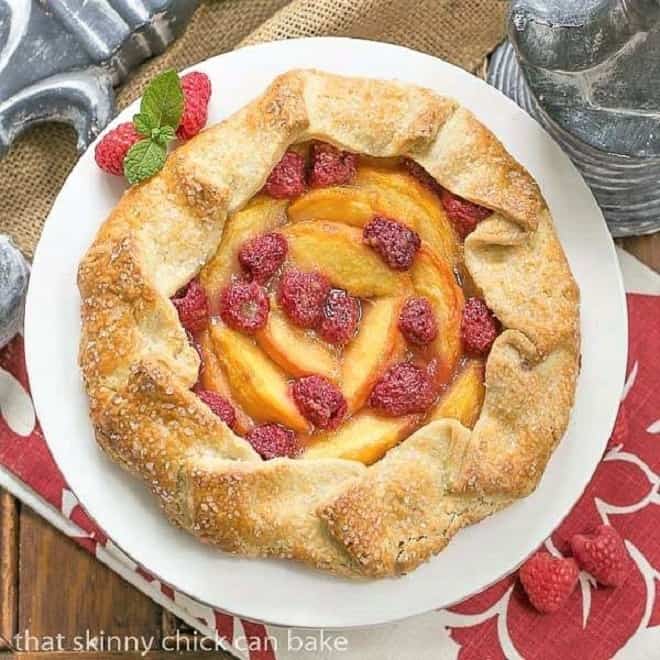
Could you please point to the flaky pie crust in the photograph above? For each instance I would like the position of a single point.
(334, 514)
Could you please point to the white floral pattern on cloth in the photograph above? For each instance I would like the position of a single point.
(498, 623)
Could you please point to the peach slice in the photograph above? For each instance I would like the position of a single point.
(401, 197)
(334, 204)
(212, 378)
(296, 350)
(260, 215)
(377, 344)
(259, 386)
(382, 191)
(463, 399)
(365, 437)
(337, 251)
(433, 279)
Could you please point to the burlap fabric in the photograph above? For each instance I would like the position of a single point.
(460, 31)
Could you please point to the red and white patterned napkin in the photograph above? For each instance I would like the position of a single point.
(496, 623)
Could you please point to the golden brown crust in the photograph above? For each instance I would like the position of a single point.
(333, 514)
(526, 280)
(467, 159)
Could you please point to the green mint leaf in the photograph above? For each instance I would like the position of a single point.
(143, 125)
(143, 160)
(163, 135)
(162, 101)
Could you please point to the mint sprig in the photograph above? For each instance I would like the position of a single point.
(143, 160)
(160, 113)
(162, 102)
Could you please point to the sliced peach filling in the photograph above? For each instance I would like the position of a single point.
(344, 373)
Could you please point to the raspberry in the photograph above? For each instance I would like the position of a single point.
(394, 242)
(287, 180)
(548, 581)
(465, 215)
(263, 255)
(417, 321)
(341, 313)
(479, 327)
(320, 401)
(244, 306)
(330, 166)
(302, 295)
(196, 88)
(113, 147)
(273, 440)
(219, 405)
(417, 171)
(603, 554)
(404, 388)
(192, 305)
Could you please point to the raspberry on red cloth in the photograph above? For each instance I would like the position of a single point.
(273, 441)
(479, 327)
(403, 389)
(394, 242)
(330, 166)
(219, 405)
(319, 401)
(302, 296)
(417, 171)
(192, 305)
(603, 554)
(287, 179)
(464, 215)
(113, 147)
(417, 321)
(548, 581)
(244, 306)
(340, 317)
(196, 88)
(263, 255)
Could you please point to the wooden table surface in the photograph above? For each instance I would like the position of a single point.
(49, 585)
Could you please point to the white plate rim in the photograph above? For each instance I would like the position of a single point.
(306, 616)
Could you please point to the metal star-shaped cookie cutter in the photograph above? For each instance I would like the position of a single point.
(60, 59)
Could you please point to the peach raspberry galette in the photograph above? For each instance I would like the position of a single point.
(336, 327)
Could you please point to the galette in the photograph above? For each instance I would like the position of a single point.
(336, 327)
